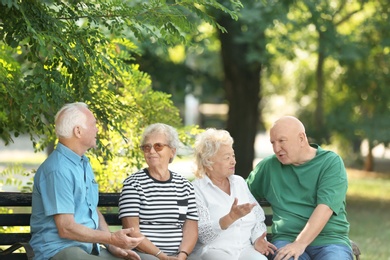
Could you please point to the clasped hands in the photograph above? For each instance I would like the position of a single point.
(122, 243)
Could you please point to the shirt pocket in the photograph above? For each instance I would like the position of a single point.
(183, 208)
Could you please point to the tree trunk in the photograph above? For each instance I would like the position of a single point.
(242, 88)
(319, 110)
(369, 162)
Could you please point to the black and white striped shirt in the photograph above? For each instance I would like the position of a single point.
(162, 207)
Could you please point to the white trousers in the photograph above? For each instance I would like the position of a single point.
(248, 253)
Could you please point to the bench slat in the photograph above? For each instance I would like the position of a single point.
(14, 256)
(8, 199)
(15, 219)
(23, 220)
(12, 238)
(17, 199)
(108, 199)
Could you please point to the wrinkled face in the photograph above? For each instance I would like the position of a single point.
(88, 134)
(286, 143)
(224, 162)
(158, 158)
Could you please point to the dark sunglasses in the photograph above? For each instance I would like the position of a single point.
(157, 147)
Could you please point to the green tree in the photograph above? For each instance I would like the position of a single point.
(244, 57)
(325, 18)
(228, 70)
(54, 52)
(336, 49)
(363, 89)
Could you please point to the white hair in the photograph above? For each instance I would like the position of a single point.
(68, 117)
(159, 128)
(207, 145)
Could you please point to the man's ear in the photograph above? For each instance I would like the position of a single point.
(302, 138)
(77, 131)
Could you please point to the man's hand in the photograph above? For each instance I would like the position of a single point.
(123, 239)
(294, 250)
(263, 246)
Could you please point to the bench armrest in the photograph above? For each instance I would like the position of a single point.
(26, 246)
(355, 250)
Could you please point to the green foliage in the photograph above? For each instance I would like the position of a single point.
(55, 52)
(65, 54)
(363, 95)
(9, 76)
(13, 175)
(353, 41)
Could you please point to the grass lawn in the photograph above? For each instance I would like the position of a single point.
(368, 207)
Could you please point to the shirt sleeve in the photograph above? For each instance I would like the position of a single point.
(260, 226)
(129, 201)
(207, 230)
(333, 184)
(255, 181)
(57, 196)
(192, 213)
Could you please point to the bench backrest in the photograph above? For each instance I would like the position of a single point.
(108, 203)
(21, 205)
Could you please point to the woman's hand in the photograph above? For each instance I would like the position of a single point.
(123, 253)
(239, 211)
(236, 212)
(263, 246)
(163, 256)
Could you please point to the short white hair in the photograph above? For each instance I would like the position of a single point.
(207, 144)
(168, 131)
(68, 117)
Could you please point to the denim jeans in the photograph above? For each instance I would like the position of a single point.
(327, 252)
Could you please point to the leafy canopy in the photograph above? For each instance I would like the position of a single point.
(55, 52)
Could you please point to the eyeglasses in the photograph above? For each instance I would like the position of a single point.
(157, 147)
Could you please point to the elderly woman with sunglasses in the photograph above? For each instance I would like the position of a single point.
(231, 222)
(158, 203)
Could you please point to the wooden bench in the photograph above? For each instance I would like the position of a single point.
(108, 202)
(22, 202)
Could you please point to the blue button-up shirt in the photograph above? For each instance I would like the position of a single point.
(63, 184)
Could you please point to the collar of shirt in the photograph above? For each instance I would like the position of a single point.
(72, 156)
(207, 180)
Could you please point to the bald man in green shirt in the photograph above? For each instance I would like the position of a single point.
(306, 186)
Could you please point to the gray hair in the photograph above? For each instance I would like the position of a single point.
(167, 130)
(207, 145)
(68, 117)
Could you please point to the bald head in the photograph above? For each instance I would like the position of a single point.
(289, 122)
(289, 141)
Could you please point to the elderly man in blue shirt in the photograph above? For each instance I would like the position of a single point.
(65, 221)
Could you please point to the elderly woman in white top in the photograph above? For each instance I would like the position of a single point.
(231, 222)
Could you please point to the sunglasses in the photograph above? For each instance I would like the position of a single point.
(157, 147)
